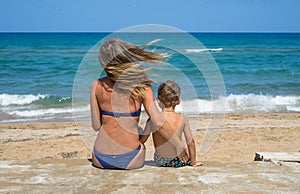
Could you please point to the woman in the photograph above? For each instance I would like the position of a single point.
(116, 102)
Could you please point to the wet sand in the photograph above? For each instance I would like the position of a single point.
(53, 157)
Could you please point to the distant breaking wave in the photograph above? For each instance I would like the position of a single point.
(203, 50)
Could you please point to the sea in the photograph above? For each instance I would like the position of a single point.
(46, 76)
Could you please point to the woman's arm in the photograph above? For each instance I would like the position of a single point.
(95, 109)
(164, 128)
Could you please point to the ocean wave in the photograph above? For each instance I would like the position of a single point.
(203, 50)
(242, 103)
(26, 99)
(233, 103)
(16, 99)
(49, 111)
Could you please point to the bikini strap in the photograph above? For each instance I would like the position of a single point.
(121, 114)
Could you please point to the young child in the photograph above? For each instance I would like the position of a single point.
(165, 153)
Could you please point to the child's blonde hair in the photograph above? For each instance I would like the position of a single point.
(169, 93)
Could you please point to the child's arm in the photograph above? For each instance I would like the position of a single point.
(145, 135)
(191, 143)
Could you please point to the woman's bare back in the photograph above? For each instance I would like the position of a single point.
(117, 134)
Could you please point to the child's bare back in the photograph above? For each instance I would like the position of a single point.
(165, 153)
(162, 146)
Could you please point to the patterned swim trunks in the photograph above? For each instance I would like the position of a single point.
(169, 162)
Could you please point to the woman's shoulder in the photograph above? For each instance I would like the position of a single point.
(104, 82)
(101, 82)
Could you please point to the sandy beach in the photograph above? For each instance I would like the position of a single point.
(37, 156)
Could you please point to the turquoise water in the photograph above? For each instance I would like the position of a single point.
(261, 72)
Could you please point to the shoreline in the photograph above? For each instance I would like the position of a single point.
(145, 116)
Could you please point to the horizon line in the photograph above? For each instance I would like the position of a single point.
(150, 32)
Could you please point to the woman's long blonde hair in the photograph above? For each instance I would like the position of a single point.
(120, 61)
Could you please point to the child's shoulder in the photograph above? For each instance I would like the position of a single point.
(182, 117)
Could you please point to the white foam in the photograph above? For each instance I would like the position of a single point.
(64, 98)
(293, 108)
(233, 103)
(243, 103)
(203, 50)
(50, 111)
(17, 99)
(260, 103)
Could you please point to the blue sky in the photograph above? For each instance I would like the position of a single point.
(112, 15)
